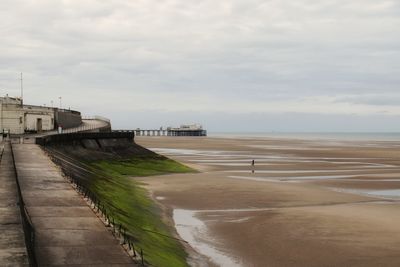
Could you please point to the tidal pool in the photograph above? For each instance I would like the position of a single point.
(194, 231)
(392, 194)
(291, 178)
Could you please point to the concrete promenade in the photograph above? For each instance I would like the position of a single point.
(68, 233)
(12, 243)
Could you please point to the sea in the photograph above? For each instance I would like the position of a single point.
(342, 136)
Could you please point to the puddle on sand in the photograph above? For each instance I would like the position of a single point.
(271, 161)
(193, 152)
(392, 194)
(292, 178)
(296, 171)
(274, 147)
(194, 231)
(223, 160)
(389, 193)
(238, 164)
(240, 220)
(241, 158)
(255, 178)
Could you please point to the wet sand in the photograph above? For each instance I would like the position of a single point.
(307, 203)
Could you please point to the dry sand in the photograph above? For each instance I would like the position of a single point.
(308, 203)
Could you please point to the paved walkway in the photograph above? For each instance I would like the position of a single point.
(68, 232)
(12, 244)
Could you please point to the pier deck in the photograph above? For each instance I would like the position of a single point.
(68, 233)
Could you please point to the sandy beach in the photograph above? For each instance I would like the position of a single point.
(305, 202)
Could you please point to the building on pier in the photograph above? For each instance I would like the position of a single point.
(187, 130)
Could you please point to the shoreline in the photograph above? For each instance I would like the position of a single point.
(194, 258)
(193, 230)
(287, 205)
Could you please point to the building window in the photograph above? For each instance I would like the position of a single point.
(20, 120)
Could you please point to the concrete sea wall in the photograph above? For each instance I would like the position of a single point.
(67, 118)
(114, 138)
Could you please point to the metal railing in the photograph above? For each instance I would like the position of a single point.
(123, 131)
(85, 127)
(73, 170)
(82, 128)
(80, 175)
(96, 117)
(29, 230)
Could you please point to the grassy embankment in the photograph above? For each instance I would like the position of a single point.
(131, 205)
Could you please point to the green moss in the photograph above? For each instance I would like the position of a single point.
(131, 205)
(143, 166)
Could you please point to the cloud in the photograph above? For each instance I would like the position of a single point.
(273, 57)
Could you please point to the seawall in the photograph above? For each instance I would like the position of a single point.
(100, 165)
(67, 118)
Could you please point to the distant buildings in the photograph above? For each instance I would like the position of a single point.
(16, 118)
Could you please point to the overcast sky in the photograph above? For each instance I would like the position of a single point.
(278, 65)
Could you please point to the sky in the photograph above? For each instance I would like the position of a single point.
(238, 65)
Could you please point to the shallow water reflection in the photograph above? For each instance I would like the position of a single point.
(393, 194)
(193, 231)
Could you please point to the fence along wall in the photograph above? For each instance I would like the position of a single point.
(78, 173)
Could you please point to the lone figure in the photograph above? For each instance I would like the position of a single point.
(252, 163)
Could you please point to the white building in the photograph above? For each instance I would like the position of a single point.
(16, 118)
(187, 130)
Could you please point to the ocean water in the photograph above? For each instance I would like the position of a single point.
(353, 136)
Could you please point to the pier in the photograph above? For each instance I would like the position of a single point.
(183, 130)
(140, 132)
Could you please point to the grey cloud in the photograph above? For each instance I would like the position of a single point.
(235, 51)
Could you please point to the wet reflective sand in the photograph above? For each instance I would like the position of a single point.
(304, 203)
(194, 231)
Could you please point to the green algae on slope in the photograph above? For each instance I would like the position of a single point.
(131, 205)
(143, 166)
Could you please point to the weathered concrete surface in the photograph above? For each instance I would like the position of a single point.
(68, 232)
(12, 245)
